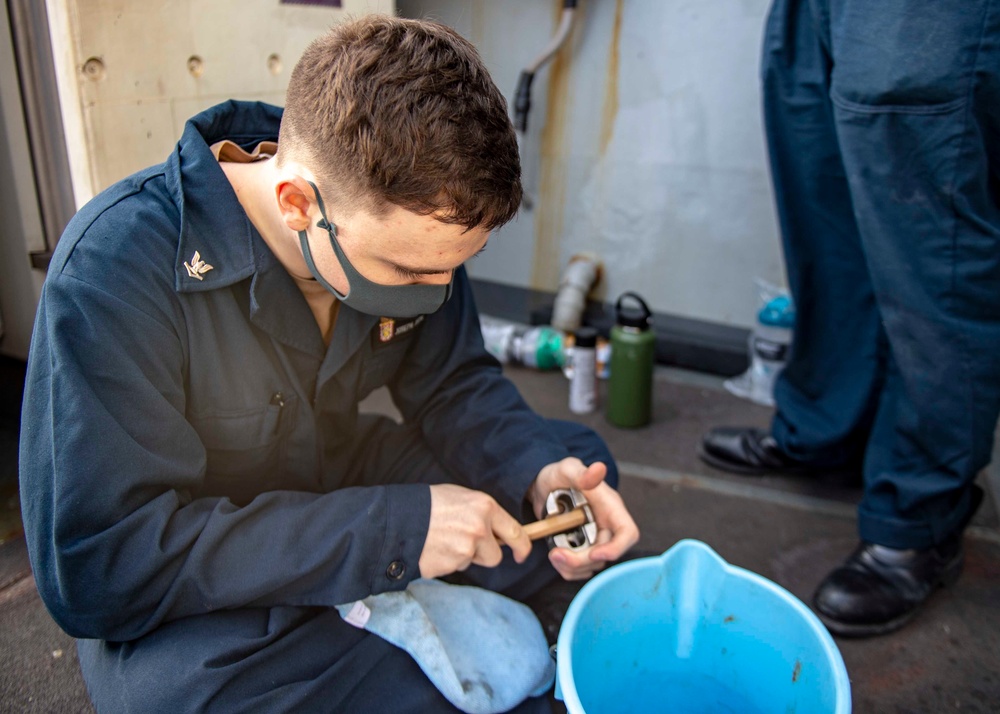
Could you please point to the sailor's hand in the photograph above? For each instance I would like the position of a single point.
(467, 528)
(616, 531)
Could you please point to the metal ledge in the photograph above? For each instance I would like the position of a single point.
(680, 341)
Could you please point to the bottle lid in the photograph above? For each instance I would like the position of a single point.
(778, 312)
(631, 317)
(585, 337)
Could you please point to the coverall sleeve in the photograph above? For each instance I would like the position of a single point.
(473, 417)
(108, 466)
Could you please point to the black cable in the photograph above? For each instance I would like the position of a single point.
(522, 101)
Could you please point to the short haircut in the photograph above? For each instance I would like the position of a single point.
(395, 112)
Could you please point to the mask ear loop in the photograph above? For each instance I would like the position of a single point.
(331, 228)
(323, 222)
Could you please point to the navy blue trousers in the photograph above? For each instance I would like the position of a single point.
(306, 659)
(883, 129)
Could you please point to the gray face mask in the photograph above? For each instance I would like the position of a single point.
(373, 298)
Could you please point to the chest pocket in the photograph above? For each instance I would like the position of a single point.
(245, 449)
(386, 352)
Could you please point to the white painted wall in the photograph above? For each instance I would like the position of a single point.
(644, 145)
(132, 72)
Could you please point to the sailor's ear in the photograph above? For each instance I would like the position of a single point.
(295, 199)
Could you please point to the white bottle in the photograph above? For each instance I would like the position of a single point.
(498, 337)
(583, 383)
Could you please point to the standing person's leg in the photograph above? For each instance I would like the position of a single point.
(914, 85)
(826, 394)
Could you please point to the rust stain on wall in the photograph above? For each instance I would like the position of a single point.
(551, 200)
(610, 107)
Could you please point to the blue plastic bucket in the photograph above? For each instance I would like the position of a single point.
(687, 633)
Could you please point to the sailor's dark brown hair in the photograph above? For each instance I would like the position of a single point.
(396, 112)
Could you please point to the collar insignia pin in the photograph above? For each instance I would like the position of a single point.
(197, 267)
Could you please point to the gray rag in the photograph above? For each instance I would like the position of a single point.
(484, 652)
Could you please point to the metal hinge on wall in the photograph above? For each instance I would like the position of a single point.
(40, 259)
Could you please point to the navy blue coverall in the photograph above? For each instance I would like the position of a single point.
(198, 487)
(883, 125)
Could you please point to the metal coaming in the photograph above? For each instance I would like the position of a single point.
(43, 119)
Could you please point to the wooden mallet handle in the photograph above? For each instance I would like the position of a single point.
(559, 523)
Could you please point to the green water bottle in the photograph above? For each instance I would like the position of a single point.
(633, 348)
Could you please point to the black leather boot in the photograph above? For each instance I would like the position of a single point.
(745, 450)
(879, 589)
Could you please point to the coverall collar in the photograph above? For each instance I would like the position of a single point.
(213, 223)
